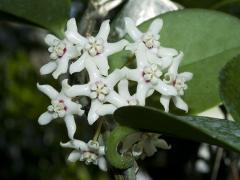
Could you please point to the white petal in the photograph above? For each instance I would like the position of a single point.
(112, 48)
(62, 66)
(114, 78)
(131, 74)
(72, 33)
(141, 94)
(75, 108)
(116, 99)
(93, 72)
(76, 144)
(123, 89)
(165, 89)
(92, 114)
(106, 109)
(142, 56)
(186, 75)
(137, 149)
(152, 58)
(45, 118)
(65, 85)
(161, 143)
(79, 65)
(101, 150)
(101, 62)
(131, 29)
(166, 62)
(49, 39)
(175, 64)
(162, 52)
(132, 47)
(78, 90)
(104, 30)
(149, 148)
(74, 156)
(165, 100)
(150, 92)
(156, 26)
(71, 125)
(102, 164)
(179, 103)
(48, 90)
(48, 68)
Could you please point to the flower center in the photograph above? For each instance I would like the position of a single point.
(151, 74)
(94, 46)
(178, 83)
(91, 156)
(58, 108)
(150, 40)
(57, 49)
(99, 90)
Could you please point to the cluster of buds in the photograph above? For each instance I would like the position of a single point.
(156, 70)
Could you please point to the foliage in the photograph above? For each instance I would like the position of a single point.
(209, 40)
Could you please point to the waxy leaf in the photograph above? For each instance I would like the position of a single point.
(219, 132)
(208, 39)
(51, 15)
(230, 87)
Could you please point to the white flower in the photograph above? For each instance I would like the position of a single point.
(147, 43)
(61, 107)
(148, 78)
(61, 51)
(152, 73)
(90, 153)
(148, 144)
(96, 49)
(124, 92)
(101, 90)
(178, 82)
(149, 38)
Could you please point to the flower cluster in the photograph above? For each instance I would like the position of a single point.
(156, 70)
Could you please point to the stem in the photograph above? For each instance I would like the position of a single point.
(98, 131)
(223, 3)
(217, 164)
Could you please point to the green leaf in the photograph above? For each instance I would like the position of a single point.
(209, 39)
(51, 15)
(229, 87)
(219, 132)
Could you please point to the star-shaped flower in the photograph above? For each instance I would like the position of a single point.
(90, 153)
(61, 51)
(61, 107)
(178, 82)
(148, 144)
(96, 49)
(148, 42)
(101, 90)
(148, 78)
